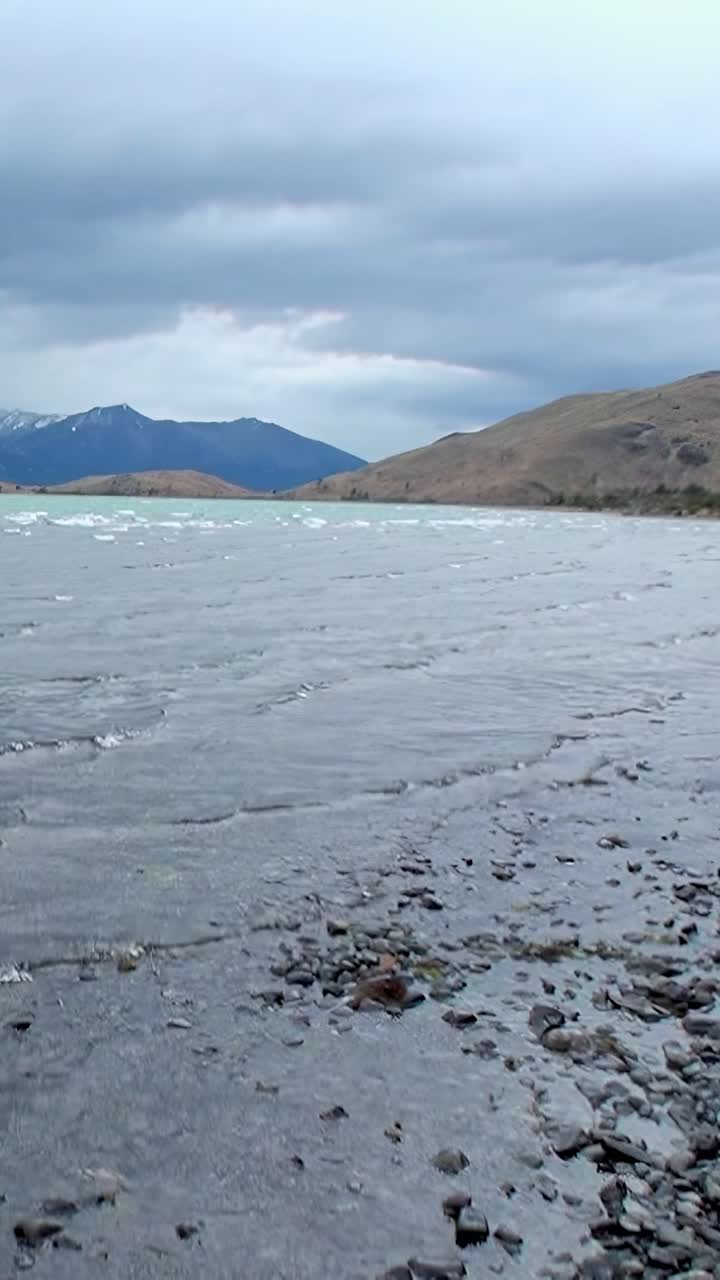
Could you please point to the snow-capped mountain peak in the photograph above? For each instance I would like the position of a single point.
(12, 420)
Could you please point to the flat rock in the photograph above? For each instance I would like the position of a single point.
(698, 1024)
(448, 1269)
(568, 1140)
(543, 1018)
(619, 1148)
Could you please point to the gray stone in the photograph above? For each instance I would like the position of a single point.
(459, 1018)
(543, 1018)
(336, 928)
(34, 1231)
(449, 1269)
(456, 1201)
(510, 1240)
(698, 1024)
(450, 1162)
(568, 1140)
(471, 1227)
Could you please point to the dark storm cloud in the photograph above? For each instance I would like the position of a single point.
(524, 197)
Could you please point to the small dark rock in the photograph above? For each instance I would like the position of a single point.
(334, 1113)
(460, 1018)
(396, 1273)
(186, 1230)
(22, 1024)
(386, 989)
(33, 1231)
(471, 1228)
(337, 927)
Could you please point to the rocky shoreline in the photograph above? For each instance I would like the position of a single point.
(590, 1040)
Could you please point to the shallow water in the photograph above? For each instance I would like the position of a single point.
(169, 663)
(212, 712)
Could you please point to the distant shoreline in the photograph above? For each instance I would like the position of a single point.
(693, 502)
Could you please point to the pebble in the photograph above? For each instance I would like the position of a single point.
(558, 1039)
(34, 1231)
(450, 1162)
(334, 1113)
(510, 1240)
(396, 1273)
(543, 1018)
(59, 1204)
(569, 1140)
(186, 1230)
(471, 1227)
(456, 1201)
(449, 1269)
(613, 841)
(386, 989)
(460, 1017)
(336, 928)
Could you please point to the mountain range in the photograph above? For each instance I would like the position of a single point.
(617, 448)
(47, 450)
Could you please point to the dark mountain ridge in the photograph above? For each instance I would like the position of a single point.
(114, 439)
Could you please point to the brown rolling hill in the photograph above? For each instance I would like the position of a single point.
(155, 484)
(651, 449)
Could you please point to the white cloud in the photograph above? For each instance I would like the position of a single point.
(342, 215)
(264, 370)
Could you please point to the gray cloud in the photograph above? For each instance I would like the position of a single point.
(376, 224)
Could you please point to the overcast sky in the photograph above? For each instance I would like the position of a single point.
(372, 222)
